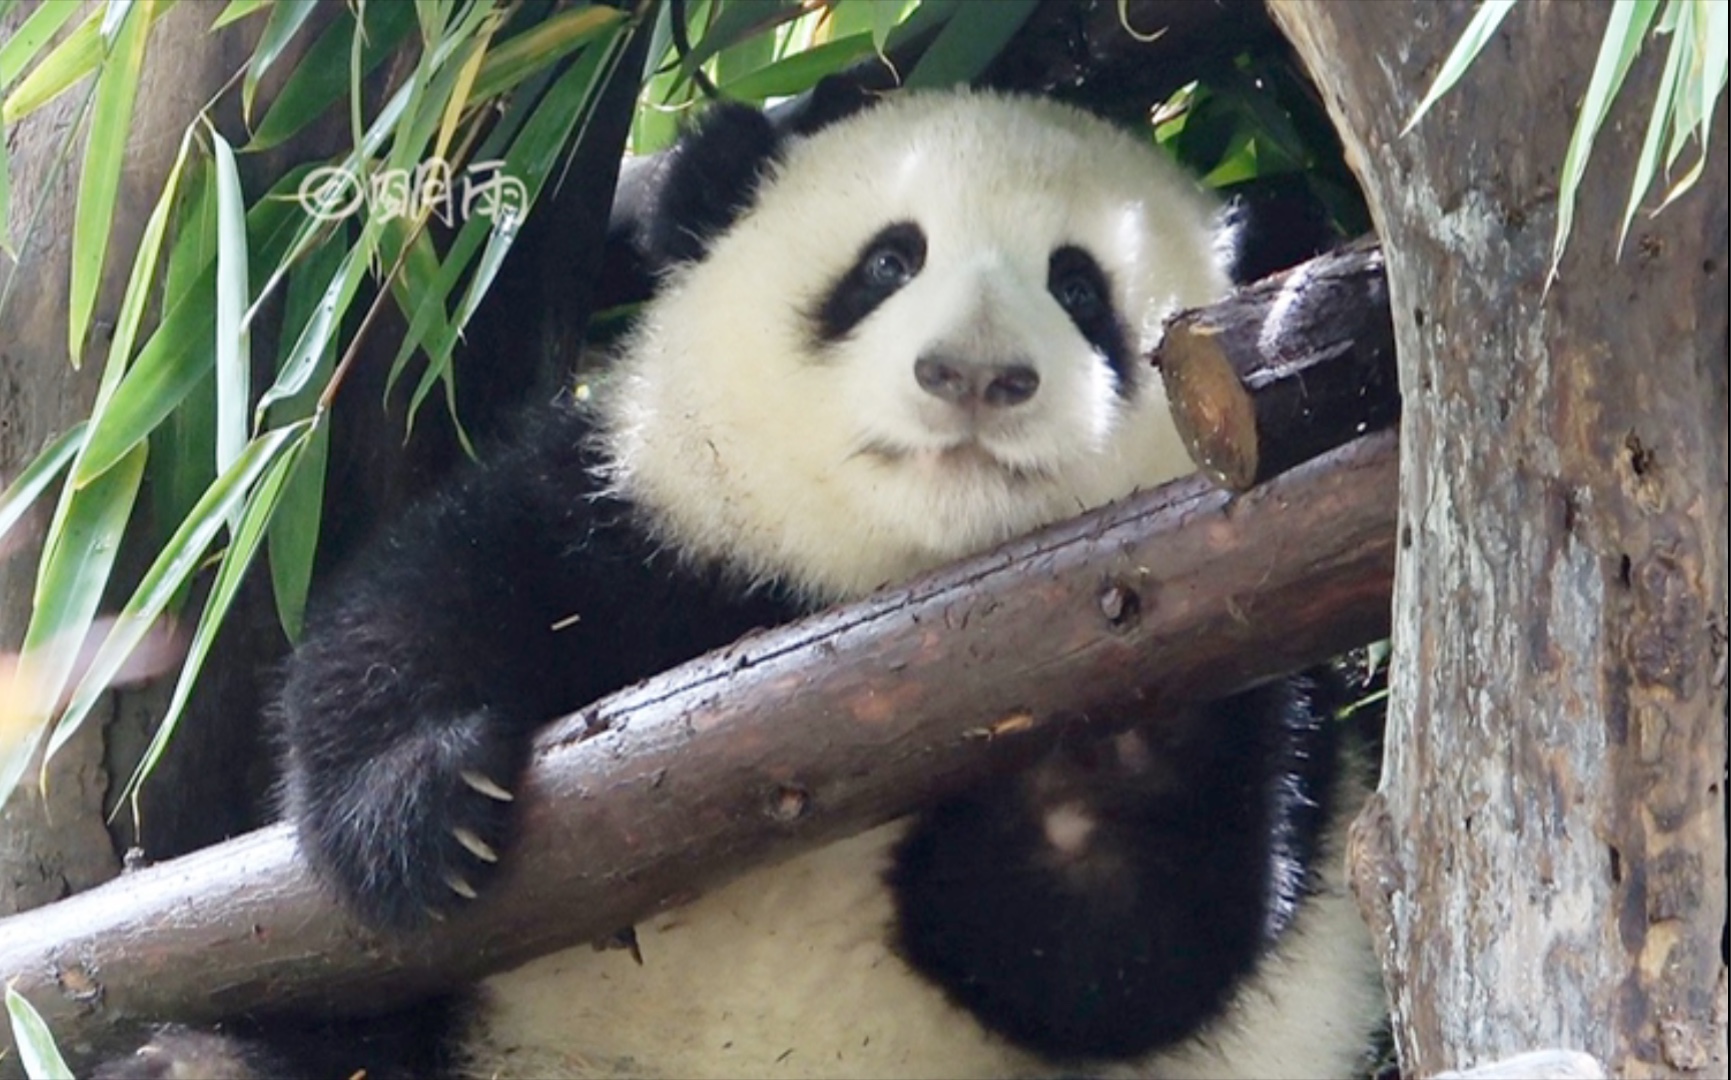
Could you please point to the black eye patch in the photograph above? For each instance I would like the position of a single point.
(1076, 281)
(888, 261)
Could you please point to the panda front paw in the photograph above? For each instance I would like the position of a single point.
(413, 830)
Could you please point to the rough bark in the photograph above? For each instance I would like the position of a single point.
(784, 740)
(1545, 865)
(1285, 369)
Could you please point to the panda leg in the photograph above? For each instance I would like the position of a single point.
(1110, 902)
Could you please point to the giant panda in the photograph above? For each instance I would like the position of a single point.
(877, 348)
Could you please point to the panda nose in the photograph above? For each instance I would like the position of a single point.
(965, 382)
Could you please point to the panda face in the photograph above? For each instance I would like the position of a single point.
(926, 335)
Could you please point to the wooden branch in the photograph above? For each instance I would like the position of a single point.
(786, 739)
(1285, 369)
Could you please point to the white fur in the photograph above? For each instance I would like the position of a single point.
(830, 466)
(787, 972)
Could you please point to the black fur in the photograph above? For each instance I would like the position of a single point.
(1075, 279)
(1136, 936)
(889, 260)
(707, 180)
(518, 594)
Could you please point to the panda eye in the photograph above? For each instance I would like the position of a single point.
(1074, 279)
(1079, 285)
(1079, 295)
(887, 267)
(888, 261)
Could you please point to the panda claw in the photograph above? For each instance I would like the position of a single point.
(474, 845)
(486, 787)
(459, 886)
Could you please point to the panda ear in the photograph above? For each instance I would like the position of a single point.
(706, 181)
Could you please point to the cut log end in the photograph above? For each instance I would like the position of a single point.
(1214, 413)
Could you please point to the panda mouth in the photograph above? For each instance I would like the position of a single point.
(968, 458)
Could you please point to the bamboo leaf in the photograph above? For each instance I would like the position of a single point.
(1623, 35)
(238, 10)
(74, 58)
(173, 567)
(29, 485)
(114, 17)
(1473, 39)
(321, 326)
(530, 160)
(178, 355)
(294, 533)
(76, 561)
(99, 180)
(969, 41)
(36, 1050)
(1647, 161)
(799, 71)
(276, 454)
(286, 19)
(534, 50)
(233, 341)
(321, 77)
(35, 32)
(1715, 53)
(138, 284)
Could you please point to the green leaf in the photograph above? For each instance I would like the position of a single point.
(321, 327)
(800, 71)
(233, 342)
(294, 533)
(36, 1049)
(178, 353)
(321, 77)
(306, 352)
(29, 485)
(238, 10)
(1472, 41)
(1622, 40)
(531, 159)
(99, 180)
(286, 19)
(969, 41)
(174, 566)
(537, 48)
(76, 561)
(36, 31)
(74, 58)
(1647, 161)
(138, 284)
(276, 453)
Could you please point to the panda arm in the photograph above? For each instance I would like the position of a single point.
(515, 595)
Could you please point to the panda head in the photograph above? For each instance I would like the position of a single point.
(920, 331)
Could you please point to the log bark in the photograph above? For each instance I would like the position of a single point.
(1545, 864)
(1285, 369)
(780, 742)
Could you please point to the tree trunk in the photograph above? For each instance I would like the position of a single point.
(1545, 864)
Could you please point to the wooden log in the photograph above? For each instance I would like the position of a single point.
(1296, 364)
(780, 742)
